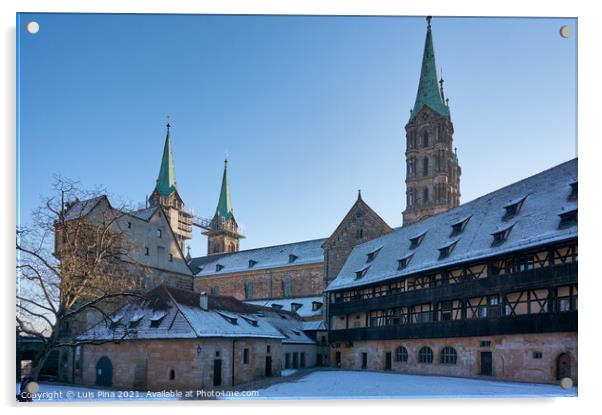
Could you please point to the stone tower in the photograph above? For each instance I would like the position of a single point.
(166, 195)
(223, 234)
(433, 172)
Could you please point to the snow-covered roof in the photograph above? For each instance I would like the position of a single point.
(172, 313)
(144, 214)
(290, 327)
(298, 253)
(304, 306)
(314, 325)
(80, 208)
(536, 223)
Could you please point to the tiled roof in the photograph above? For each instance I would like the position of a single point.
(307, 252)
(180, 316)
(536, 223)
(144, 214)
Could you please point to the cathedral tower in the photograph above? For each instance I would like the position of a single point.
(433, 172)
(223, 234)
(166, 195)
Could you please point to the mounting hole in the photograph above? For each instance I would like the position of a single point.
(33, 27)
(566, 383)
(565, 31)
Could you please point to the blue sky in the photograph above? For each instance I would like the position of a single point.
(309, 109)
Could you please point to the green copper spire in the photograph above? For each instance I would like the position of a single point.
(429, 92)
(224, 207)
(166, 182)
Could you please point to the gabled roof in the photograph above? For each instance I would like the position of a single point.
(145, 213)
(179, 315)
(358, 205)
(429, 93)
(536, 224)
(307, 252)
(80, 208)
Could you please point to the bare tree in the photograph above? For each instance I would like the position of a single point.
(73, 260)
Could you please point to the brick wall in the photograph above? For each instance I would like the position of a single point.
(146, 364)
(307, 280)
(513, 356)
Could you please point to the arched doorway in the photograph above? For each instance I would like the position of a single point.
(563, 366)
(104, 372)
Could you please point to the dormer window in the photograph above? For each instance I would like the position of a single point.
(362, 272)
(249, 320)
(295, 306)
(568, 218)
(403, 262)
(416, 240)
(446, 250)
(218, 267)
(372, 255)
(316, 305)
(513, 208)
(252, 263)
(157, 318)
(292, 258)
(135, 320)
(229, 319)
(277, 306)
(573, 195)
(500, 236)
(458, 227)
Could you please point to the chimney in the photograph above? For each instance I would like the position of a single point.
(204, 301)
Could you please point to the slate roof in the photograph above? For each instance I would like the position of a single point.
(307, 252)
(144, 214)
(303, 306)
(314, 325)
(80, 208)
(537, 222)
(180, 316)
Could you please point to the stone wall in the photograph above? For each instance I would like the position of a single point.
(513, 356)
(146, 364)
(307, 280)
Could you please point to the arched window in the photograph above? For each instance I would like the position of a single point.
(172, 374)
(425, 355)
(448, 356)
(425, 195)
(411, 198)
(425, 138)
(401, 354)
(425, 166)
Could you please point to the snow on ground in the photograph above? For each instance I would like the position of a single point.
(51, 392)
(287, 372)
(335, 384)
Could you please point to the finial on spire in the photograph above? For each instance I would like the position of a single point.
(168, 125)
(226, 156)
(428, 20)
(359, 194)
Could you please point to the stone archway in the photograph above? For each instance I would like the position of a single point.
(104, 372)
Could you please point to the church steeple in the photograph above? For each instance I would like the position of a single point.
(433, 172)
(223, 233)
(166, 195)
(429, 92)
(224, 206)
(166, 182)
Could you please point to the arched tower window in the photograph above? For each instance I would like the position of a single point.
(425, 166)
(425, 138)
(410, 196)
(425, 195)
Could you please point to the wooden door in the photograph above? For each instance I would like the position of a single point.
(486, 364)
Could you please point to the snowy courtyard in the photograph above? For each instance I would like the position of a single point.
(338, 384)
(353, 384)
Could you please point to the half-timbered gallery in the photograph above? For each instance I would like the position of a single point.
(485, 289)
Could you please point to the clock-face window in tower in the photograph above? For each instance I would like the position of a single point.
(425, 166)
(425, 138)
